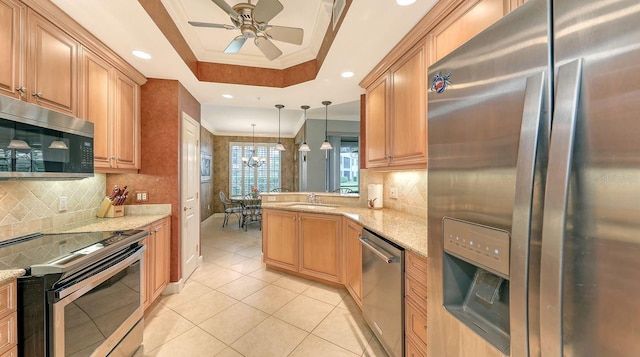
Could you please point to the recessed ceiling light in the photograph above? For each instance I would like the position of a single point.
(405, 2)
(228, 96)
(347, 74)
(141, 54)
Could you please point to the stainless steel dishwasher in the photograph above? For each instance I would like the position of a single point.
(383, 290)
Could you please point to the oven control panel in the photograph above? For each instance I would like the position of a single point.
(483, 246)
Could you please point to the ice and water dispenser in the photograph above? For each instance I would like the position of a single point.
(476, 279)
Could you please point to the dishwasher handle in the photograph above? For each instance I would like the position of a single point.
(377, 250)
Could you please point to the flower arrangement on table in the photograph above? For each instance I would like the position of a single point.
(255, 192)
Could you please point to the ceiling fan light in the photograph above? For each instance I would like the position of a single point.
(326, 146)
(304, 147)
(280, 147)
(405, 2)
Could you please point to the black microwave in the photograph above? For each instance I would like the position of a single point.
(37, 143)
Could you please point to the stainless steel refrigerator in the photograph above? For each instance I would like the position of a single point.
(534, 185)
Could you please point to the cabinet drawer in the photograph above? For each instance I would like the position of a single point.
(416, 323)
(415, 349)
(7, 298)
(8, 329)
(416, 267)
(417, 293)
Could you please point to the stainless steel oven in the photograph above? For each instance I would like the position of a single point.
(86, 300)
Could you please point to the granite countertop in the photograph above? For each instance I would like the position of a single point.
(110, 224)
(10, 274)
(408, 231)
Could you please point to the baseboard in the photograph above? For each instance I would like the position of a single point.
(174, 287)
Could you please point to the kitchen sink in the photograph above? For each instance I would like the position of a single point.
(315, 207)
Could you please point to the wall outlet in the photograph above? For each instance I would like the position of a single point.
(271, 198)
(142, 196)
(62, 203)
(393, 192)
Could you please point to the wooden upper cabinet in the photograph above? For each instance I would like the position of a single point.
(396, 120)
(465, 22)
(11, 47)
(376, 124)
(95, 91)
(127, 123)
(408, 109)
(52, 66)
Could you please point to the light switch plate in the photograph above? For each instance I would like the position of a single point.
(393, 192)
(62, 203)
(271, 198)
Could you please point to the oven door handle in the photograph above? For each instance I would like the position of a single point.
(377, 250)
(101, 274)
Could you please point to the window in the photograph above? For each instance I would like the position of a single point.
(242, 178)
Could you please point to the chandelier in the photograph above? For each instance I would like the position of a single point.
(253, 160)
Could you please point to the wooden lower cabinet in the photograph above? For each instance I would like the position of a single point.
(353, 271)
(320, 246)
(415, 305)
(8, 319)
(280, 238)
(156, 260)
(305, 243)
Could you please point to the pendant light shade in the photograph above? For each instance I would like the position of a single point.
(304, 146)
(279, 145)
(325, 144)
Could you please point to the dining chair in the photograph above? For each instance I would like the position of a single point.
(343, 190)
(229, 209)
(251, 210)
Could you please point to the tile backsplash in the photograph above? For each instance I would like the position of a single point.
(28, 207)
(411, 185)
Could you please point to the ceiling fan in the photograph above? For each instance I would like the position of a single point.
(252, 21)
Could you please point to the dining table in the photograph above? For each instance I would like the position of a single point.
(251, 209)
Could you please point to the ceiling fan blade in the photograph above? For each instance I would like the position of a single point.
(228, 9)
(266, 10)
(268, 48)
(235, 45)
(208, 24)
(285, 34)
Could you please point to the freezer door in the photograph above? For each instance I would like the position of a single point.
(594, 290)
(488, 114)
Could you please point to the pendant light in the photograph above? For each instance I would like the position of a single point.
(304, 146)
(325, 144)
(253, 160)
(279, 145)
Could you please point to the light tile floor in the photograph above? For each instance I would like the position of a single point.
(233, 306)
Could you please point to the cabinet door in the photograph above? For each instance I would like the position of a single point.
(127, 122)
(408, 109)
(321, 246)
(353, 280)
(95, 92)
(11, 48)
(465, 22)
(376, 124)
(279, 239)
(160, 278)
(52, 72)
(147, 271)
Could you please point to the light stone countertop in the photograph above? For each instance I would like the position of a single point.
(408, 231)
(10, 274)
(110, 224)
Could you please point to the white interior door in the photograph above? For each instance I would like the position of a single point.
(190, 197)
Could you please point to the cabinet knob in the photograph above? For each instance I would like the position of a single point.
(37, 95)
(22, 89)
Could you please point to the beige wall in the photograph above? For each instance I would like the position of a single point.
(28, 207)
(221, 164)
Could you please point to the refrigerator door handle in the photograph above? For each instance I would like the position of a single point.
(555, 207)
(522, 212)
